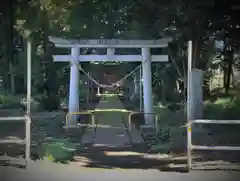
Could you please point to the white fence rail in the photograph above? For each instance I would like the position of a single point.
(26, 141)
(192, 147)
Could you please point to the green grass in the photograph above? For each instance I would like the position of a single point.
(220, 109)
(169, 123)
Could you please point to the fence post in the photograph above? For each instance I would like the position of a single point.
(189, 147)
(27, 140)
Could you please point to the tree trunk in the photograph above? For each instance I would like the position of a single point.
(50, 85)
(24, 49)
(196, 52)
(228, 72)
(12, 77)
(11, 47)
(197, 33)
(228, 82)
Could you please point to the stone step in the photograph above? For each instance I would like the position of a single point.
(136, 136)
(147, 129)
(88, 136)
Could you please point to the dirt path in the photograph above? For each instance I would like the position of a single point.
(40, 170)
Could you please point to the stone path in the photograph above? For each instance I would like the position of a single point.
(117, 133)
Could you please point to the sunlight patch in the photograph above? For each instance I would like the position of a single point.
(122, 153)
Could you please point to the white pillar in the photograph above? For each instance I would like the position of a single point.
(98, 91)
(140, 89)
(135, 86)
(147, 85)
(136, 82)
(189, 80)
(29, 79)
(73, 104)
(195, 94)
(110, 51)
(88, 89)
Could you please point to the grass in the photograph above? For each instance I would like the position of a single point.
(220, 109)
(170, 123)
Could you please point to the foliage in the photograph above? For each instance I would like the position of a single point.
(212, 26)
(57, 150)
(223, 108)
(4, 99)
(50, 103)
(37, 19)
(161, 141)
(11, 102)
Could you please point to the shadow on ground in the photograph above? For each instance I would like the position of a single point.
(124, 158)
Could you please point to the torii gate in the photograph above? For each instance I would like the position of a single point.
(111, 44)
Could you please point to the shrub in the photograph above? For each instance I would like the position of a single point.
(50, 103)
(4, 99)
(160, 142)
(57, 150)
(223, 108)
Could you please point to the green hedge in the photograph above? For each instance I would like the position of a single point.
(57, 150)
(222, 108)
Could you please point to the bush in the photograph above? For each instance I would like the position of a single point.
(223, 108)
(10, 102)
(160, 142)
(50, 103)
(5, 99)
(57, 150)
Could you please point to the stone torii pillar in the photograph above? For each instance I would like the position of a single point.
(73, 100)
(147, 86)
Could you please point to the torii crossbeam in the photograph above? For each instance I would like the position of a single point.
(111, 44)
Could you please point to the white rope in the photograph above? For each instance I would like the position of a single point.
(105, 85)
(113, 84)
